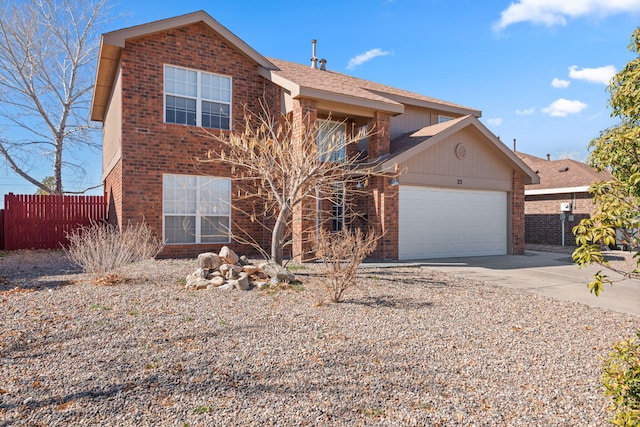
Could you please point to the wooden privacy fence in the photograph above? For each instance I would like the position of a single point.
(42, 222)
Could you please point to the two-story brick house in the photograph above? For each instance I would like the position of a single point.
(460, 190)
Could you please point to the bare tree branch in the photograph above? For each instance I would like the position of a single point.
(291, 169)
(47, 57)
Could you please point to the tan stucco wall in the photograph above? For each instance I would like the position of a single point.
(483, 167)
(112, 129)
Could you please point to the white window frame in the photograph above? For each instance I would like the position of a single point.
(199, 98)
(334, 127)
(199, 213)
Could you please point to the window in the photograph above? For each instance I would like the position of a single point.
(196, 209)
(197, 98)
(331, 141)
(442, 119)
(337, 207)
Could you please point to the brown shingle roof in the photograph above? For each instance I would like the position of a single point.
(563, 173)
(410, 139)
(333, 82)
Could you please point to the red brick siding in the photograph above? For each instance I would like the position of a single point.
(113, 193)
(150, 147)
(518, 219)
(383, 211)
(543, 224)
(380, 139)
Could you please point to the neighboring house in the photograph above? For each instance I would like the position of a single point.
(559, 201)
(460, 192)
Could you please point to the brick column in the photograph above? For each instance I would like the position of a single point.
(379, 140)
(383, 216)
(517, 212)
(304, 117)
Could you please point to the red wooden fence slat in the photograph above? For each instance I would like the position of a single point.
(1, 229)
(43, 221)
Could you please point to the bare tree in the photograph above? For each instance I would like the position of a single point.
(303, 171)
(48, 52)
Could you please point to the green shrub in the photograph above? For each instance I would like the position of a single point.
(621, 380)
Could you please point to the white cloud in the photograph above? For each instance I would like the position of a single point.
(593, 75)
(495, 122)
(559, 83)
(563, 107)
(367, 56)
(556, 12)
(526, 112)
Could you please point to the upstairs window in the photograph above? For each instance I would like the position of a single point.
(442, 119)
(197, 98)
(331, 141)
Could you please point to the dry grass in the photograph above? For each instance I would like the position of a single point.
(102, 248)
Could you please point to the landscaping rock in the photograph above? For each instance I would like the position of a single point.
(225, 287)
(250, 269)
(276, 271)
(228, 255)
(217, 281)
(243, 281)
(209, 260)
(217, 271)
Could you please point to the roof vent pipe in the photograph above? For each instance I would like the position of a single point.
(314, 58)
(548, 157)
(323, 64)
(514, 145)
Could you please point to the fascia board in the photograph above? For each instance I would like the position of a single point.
(542, 191)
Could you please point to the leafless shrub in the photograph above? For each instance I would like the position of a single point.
(342, 253)
(102, 248)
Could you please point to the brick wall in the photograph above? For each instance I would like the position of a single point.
(113, 194)
(518, 215)
(380, 139)
(150, 147)
(543, 224)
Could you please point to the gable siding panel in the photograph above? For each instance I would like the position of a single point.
(480, 168)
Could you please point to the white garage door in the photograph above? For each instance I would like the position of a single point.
(441, 223)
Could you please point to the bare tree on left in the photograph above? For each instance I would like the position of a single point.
(48, 51)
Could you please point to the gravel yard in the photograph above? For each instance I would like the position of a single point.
(410, 347)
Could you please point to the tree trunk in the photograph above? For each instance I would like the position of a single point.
(277, 236)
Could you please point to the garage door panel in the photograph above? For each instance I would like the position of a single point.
(440, 223)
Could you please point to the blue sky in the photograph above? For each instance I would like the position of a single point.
(537, 69)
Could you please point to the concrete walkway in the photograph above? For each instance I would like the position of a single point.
(546, 273)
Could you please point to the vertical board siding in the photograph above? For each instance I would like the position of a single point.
(43, 221)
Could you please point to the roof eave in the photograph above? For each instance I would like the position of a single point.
(435, 105)
(119, 37)
(542, 191)
(392, 108)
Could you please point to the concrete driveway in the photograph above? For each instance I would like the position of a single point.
(546, 273)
